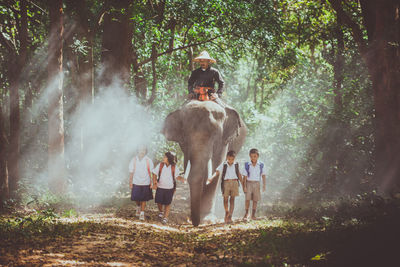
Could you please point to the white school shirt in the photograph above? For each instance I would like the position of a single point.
(141, 175)
(230, 171)
(254, 172)
(166, 181)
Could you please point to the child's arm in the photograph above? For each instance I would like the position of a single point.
(244, 183)
(154, 182)
(241, 179)
(216, 175)
(130, 180)
(264, 182)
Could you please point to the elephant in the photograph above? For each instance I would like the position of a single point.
(205, 131)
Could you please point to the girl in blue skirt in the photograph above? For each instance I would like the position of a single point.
(164, 178)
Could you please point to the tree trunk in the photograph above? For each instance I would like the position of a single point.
(85, 63)
(338, 68)
(55, 109)
(116, 55)
(382, 56)
(262, 94)
(335, 160)
(154, 72)
(4, 189)
(14, 148)
(250, 75)
(255, 92)
(384, 65)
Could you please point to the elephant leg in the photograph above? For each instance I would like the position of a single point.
(219, 153)
(209, 197)
(195, 204)
(197, 180)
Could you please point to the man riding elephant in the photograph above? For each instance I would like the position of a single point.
(202, 80)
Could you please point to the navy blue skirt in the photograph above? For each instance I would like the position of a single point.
(164, 196)
(141, 193)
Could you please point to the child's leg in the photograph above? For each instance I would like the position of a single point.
(253, 214)
(142, 205)
(160, 207)
(167, 209)
(226, 208)
(231, 205)
(247, 205)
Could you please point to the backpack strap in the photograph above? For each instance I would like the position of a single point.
(247, 167)
(148, 167)
(159, 171)
(173, 175)
(223, 176)
(261, 169)
(237, 171)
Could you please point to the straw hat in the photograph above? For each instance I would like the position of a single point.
(204, 55)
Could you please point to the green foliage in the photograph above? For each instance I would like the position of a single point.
(36, 223)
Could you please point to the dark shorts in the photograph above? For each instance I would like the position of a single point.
(141, 193)
(164, 196)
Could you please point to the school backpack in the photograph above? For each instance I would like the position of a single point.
(172, 170)
(224, 173)
(247, 167)
(147, 164)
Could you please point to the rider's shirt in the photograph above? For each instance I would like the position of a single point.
(206, 78)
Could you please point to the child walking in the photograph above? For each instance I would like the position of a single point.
(253, 172)
(140, 180)
(230, 177)
(164, 179)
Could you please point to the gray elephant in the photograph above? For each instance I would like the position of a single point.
(205, 131)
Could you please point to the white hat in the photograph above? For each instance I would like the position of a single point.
(204, 55)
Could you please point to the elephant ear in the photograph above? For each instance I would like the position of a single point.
(172, 128)
(231, 125)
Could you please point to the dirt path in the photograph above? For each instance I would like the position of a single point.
(117, 241)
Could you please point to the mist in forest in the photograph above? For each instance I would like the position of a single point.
(100, 139)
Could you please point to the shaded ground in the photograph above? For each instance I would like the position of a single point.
(114, 237)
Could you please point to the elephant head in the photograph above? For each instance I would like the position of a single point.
(204, 131)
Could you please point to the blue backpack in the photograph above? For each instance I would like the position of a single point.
(247, 167)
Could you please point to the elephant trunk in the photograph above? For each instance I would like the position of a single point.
(197, 183)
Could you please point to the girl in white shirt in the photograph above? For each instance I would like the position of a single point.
(140, 180)
(164, 178)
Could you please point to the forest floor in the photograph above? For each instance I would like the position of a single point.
(113, 236)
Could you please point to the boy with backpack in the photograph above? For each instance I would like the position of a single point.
(164, 179)
(230, 178)
(252, 173)
(140, 180)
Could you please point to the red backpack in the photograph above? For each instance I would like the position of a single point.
(172, 171)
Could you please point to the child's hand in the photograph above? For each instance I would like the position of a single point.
(181, 179)
(244, 189)
(263, 189)
(130, 186)
(155, 186)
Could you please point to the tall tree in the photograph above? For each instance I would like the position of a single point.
(4, 189)
(15, 72)
(381, 52)
(116, 53)
(55, 108)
